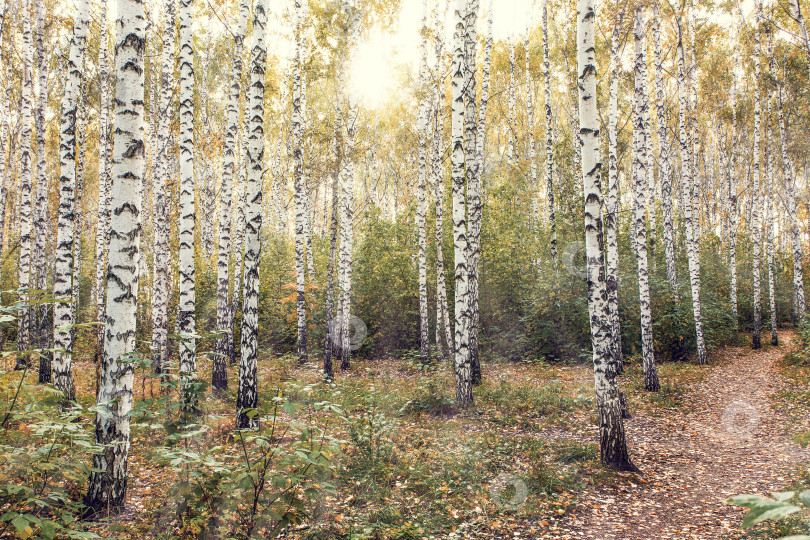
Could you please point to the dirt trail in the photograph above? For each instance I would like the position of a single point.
(727, 441)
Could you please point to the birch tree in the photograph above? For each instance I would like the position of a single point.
(108, 481)
(247, 399)
(299, 186)
(160, 202)
(473, 178)
(66, 232)
(41, 266)
(463, 372)
(219, 378)
(665, 166)
(795, 234)
(25, 203)
(613, 445)
(347, 196)
(442, 309)
(640, 180)
(330, 343)
(612, 206)
(422, 134)
(186, 320)
(687, 185)
(769, 210)
(755, 195)
(552, 222)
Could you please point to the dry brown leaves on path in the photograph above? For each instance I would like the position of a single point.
(728, 440)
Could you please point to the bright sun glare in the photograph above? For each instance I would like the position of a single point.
(381, 54)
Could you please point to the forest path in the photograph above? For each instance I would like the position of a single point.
(726, 441)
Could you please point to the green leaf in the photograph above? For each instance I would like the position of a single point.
(783, 496)
(805, 497)
(20, 523)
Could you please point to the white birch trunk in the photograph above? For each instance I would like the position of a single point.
(160, 198)
(187, 300)
(24, 191)
(755, 195)
(442, 309)
(219, 378)
(104, 172)
(613, 446)
(422, 134)
(688, 187)
(463, 372)
(612, 206)
(795, 234)
(640, 182)
(552, 221)
(108, 482)
(665, 165)
(247, 400)
(66, 225)
(473, 178)
(300, 187)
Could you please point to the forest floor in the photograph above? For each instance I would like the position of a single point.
(522, 463)
(731, 436)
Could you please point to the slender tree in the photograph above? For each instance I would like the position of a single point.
(330, 344)
(43, 329)
(297, 130)
(473, 179)
(24, 191)
(347, 196)
(664, 166)
(795, 234)
(512, 104)
(688, 187)
(612, 206)
(219, 378)
(755, 194)
(66, 232)
(552, 222)
(108, 481)
(769, 172)
(461, 355)
(640, 180)
(442, 309)
(613, 445)
(247, 400)
(160, 202)
(186, 321)
(422, 133)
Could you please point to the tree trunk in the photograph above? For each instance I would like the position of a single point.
(108, 481)
(612, 207)
(442, 309)
(692, 246)
(552, 222)
(665, 166)
(247, 400)
(640, 183)
(219, 377)
(613, 445)
(187, 302)
(300, 193)
(512, 145)
(422, 130)
(463, 371)
(66, 224)
(330, 349)
(473, 177)
(347, 203)
(755, 195)
(43, 322)
(160, 199)
(795, 234)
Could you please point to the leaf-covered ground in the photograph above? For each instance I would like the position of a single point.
(522, 464)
